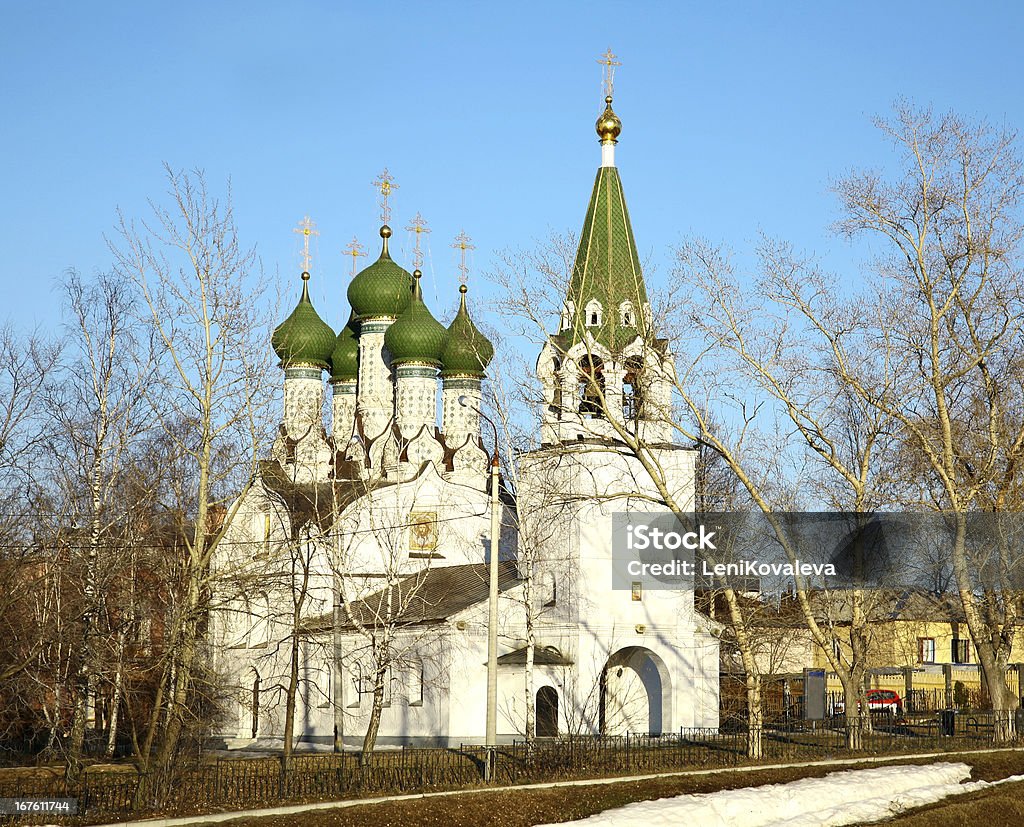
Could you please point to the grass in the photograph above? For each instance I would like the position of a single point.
(238, 784)
(525, 808)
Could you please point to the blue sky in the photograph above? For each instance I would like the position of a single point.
(736, 117)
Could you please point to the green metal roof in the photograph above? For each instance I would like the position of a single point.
(345, 357)
(303, 338)
(416, 336)
(382, 289)
(468, 351)
(607, 267)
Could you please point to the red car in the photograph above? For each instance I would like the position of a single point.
(879, 700)
(884, 700)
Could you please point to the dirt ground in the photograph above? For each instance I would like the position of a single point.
(524, 808)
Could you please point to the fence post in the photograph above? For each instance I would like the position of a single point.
(908, 687)
(490, 756)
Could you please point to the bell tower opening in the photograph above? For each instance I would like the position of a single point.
(632, 389)
(591, 386)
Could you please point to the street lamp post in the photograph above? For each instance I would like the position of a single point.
(492, 601)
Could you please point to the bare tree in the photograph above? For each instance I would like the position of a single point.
(936, 348)
(28, 562)
(382, 595)
(210, 394)
(96, 415)
(760, 339)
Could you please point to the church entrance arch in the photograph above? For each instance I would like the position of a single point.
(636, 693)
(547, 712)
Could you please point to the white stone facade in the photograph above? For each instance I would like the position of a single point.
(376, 388)
(417, 398)
(361, 525)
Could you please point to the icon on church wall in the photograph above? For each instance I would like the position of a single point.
(422, 531)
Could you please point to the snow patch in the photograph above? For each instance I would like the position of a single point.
(845, 797)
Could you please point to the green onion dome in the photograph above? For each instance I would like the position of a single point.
(416, 336)
(382, 289)
(468, 351)
(345, 358)
(303, 338)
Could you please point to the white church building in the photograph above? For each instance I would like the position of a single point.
(357, 562)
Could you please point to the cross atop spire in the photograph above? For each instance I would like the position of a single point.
(419, 226)
(385, 185)
(609, 62)
(462, 243)
(306, 228)
(354, 249)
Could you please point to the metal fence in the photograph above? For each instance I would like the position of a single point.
(235, 783)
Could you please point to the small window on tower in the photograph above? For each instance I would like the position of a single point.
(626, 315)
(567, 313)
(593, 312)
(556, 394)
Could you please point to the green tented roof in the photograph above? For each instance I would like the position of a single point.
(607, 267)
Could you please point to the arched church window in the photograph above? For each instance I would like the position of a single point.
(591, 386)
(594, 312)
(355, 676)
(567, 313)
(627, 318)
(325, 686)
(546, 712)
(550, 590)
(416, 683)
(632, 389)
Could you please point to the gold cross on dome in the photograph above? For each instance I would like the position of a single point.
(609, 62)
(385, 185)
(354, 249)
(419, 226)
(307, 228)
(462, 243)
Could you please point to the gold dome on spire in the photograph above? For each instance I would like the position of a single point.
(608, 125)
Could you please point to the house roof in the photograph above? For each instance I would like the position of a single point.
(316, 502)
(836, 606)
(542, 656)
(429, 596)
(886, 605)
